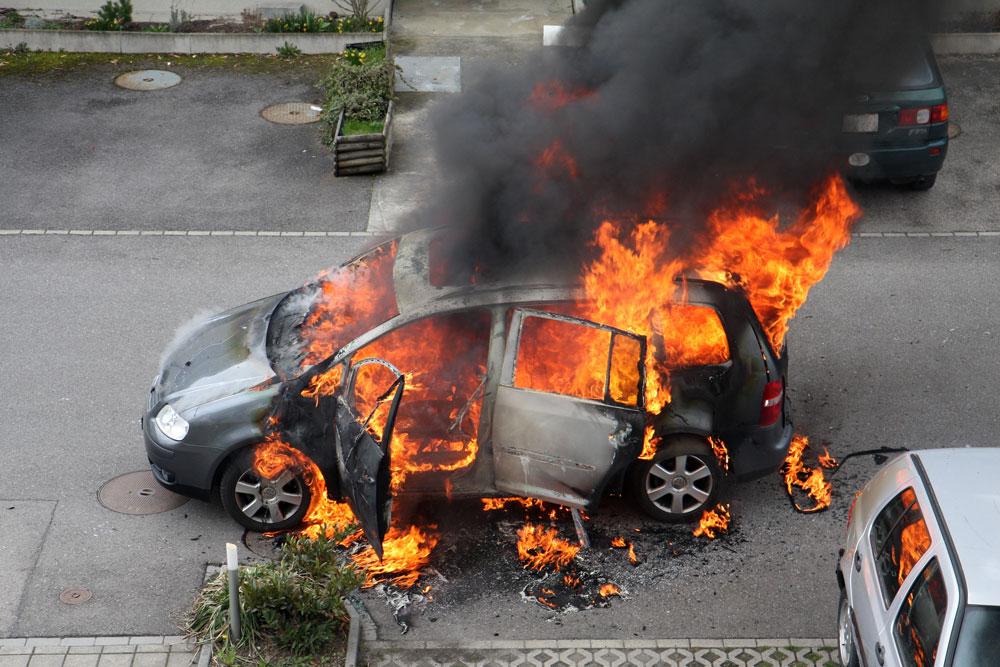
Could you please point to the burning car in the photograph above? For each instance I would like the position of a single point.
(511, 388)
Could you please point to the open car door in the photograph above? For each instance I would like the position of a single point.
(570, 407)
(365, 416)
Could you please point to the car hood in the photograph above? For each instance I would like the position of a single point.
(223, 355)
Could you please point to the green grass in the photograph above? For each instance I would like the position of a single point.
(35, 63)
(351, 127)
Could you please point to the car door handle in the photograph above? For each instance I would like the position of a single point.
(857, 560)
(880, 653)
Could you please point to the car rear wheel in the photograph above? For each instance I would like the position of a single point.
(680, 482)
(845, 640)
(261, 503)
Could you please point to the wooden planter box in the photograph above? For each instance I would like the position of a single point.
(362, 153)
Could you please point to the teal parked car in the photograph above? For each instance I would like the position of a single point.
(896, 127)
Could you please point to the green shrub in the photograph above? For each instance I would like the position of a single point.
(288, 50)
(11, 20)
(161, 27)
(296, 603)
(113, 15)
(360, 86)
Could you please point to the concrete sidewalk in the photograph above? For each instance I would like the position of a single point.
(102, 652)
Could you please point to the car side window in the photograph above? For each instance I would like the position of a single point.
(576, 359)
(899, 538)
(921, 615)
(444, 360)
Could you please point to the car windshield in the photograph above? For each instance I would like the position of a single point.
(977, 643)
(314, 321)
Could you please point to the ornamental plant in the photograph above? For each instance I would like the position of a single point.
(360, 83)
(113, 15)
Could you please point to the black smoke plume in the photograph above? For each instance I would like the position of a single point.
(673, 100)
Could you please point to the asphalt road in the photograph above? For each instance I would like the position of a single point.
(80, 153)
(897, 347)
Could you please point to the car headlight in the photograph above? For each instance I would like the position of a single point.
(171, 424)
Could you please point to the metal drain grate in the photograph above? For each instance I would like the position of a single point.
(138, 493)
(148, 79)
(75, 595)
(292, 113)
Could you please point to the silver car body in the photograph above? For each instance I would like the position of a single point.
(958, 494)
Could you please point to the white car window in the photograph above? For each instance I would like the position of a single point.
(921, 615)
(899, 538)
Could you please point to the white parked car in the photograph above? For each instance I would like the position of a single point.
(920, 574)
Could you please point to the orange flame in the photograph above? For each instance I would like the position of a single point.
(609, 589)
(618, 542)
(405, 552)
(549, 96)
(713, 522)
(540, 548)
(811, 480)
(721, 453)
(914, 539)
(632, 558)
(634, 273)
(570, 581)
(491, 504)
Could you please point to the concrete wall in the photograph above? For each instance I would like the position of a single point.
(85, 41)
(159, 10)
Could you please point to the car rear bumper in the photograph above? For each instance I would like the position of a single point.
(762, 452)
(894, 163)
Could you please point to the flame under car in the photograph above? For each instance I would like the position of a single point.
(509, 390)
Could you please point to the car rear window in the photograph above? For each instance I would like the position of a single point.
(909, 65)
(918, 625)
(978, 642)
(899, 538)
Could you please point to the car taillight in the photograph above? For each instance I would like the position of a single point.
(923, 115)
(770, 408)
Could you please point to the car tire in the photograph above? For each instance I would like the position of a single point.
(263, 504)
(923, 182)
(680, 482)
(846, 650)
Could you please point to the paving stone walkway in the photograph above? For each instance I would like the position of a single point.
(603, 653)
(101, 652)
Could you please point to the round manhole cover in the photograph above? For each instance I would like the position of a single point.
(954, 129)
(138, 493)
(148, 79)
(292, 113)
(75, 595)
(268, 547)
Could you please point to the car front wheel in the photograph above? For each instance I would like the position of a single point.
(680, 482)
(262, 503)
(845, 639)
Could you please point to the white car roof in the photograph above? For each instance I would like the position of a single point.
(966, 484)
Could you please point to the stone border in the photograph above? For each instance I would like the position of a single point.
(968, 43)
(86, 41)
(170, 232)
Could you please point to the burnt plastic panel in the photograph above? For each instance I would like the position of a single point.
(564, 448)
(364, 461)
